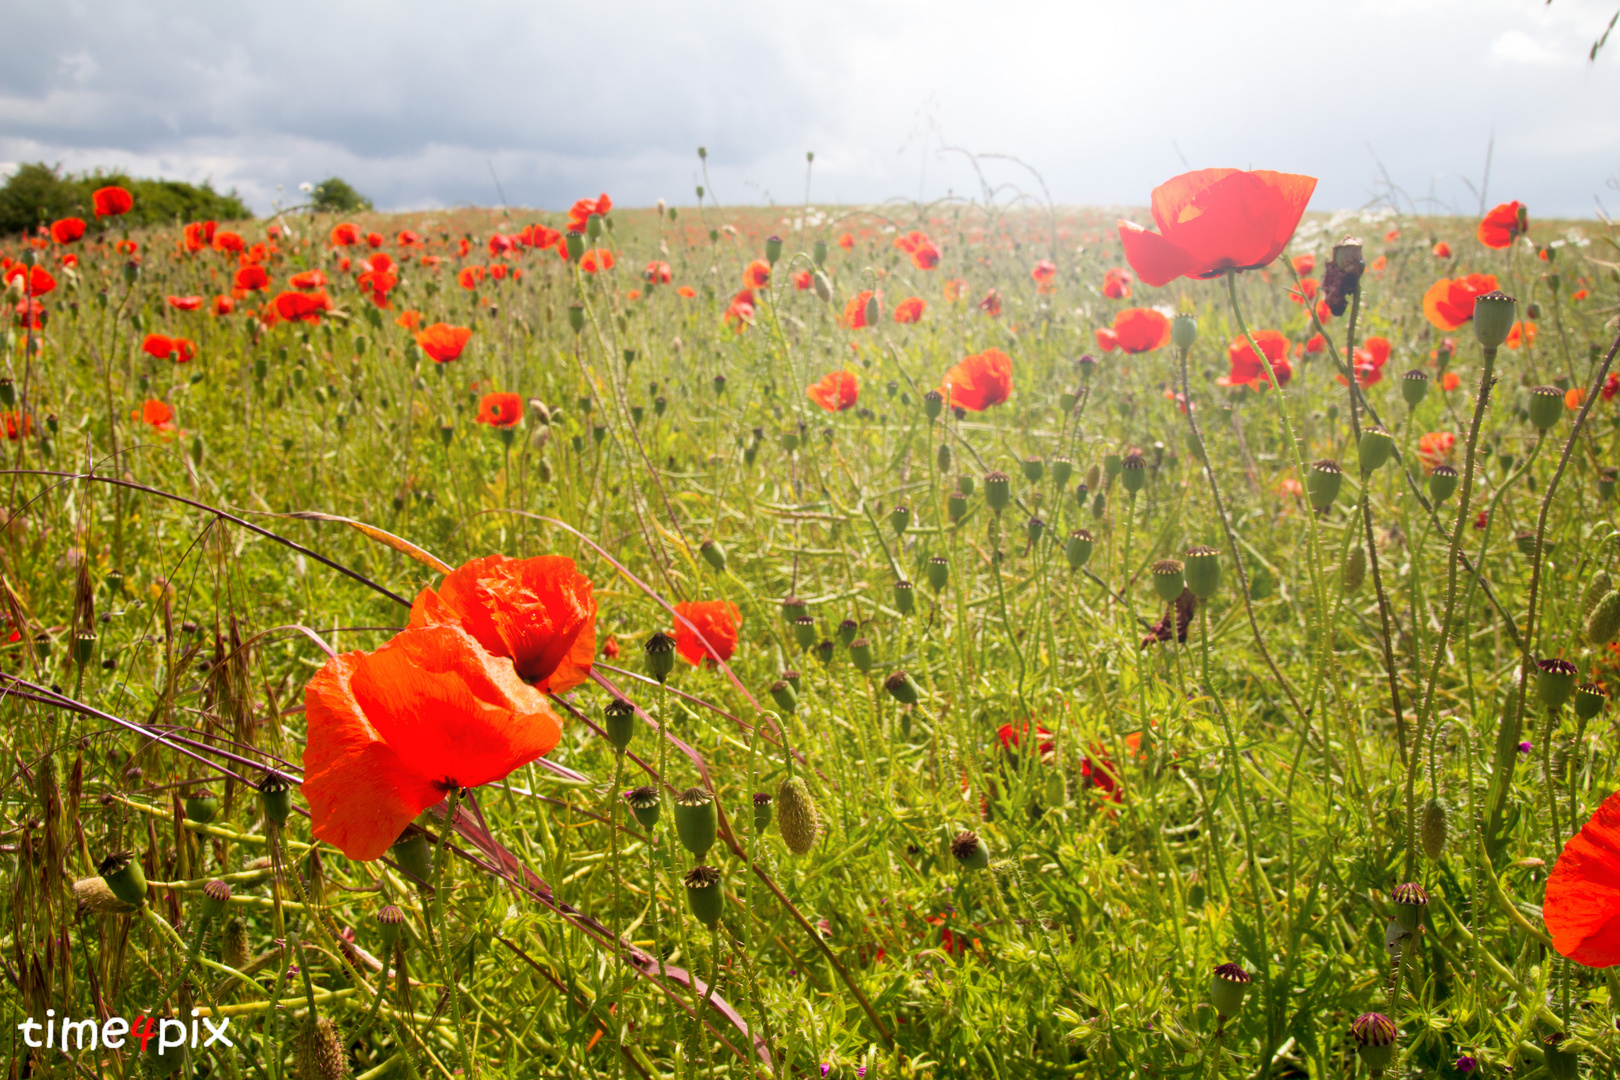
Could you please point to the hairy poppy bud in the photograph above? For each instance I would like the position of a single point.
(1228, 986)
(275, 796)
(1323, 483)
(1374, 449)
(933, 405)
(997, 490)
(659, 651)
(1077, 550)
(318, 1051)
(695, 820)
(904, 600)
(576, 317)
(1493, 318)
(1133, 473)
(900, 519)
(964, 484)
(215, 895)
(1562, 1064)
(619, 721)
(1589, 700)
(1112, 464)
(1169, 579)
(202, 805)
(1442, 482)
(413, 855)
(786, 698)
(713, 554)
(804, 631)
(1375, 1036)
(1062, 470)
(234, 949)
(1433, 830)
(824, 289)
(1596, 589)
(872, 310)
(1410, 899)
(860, 654)
(1203, 569)
(1183, 332)
(644, 804)
(123, 874)
(943, 457)
(1034, 469)
(902, 688)
(1414, 387)
(773, 249)
(939, 572)
(1555, 681)
(1355, 569)
(970, 852)
(818, 251)
(1546, 407)
(798, 819)
(705, 896)
(1099, 505)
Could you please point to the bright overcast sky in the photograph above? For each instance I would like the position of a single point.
(418, 104)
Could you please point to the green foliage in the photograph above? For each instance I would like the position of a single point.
(38, 194)
(336, 195)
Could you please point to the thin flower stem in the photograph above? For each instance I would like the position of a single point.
(441, 953)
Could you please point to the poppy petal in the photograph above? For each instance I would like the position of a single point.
(1582, 905)
(1156, 260)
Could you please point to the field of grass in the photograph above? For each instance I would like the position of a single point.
(1253, 769)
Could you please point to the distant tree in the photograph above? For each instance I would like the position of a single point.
(37, 194)
(335, 195)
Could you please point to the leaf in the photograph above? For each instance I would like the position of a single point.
(387, 539)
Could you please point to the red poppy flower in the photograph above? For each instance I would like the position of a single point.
(610, 648)
(802, 281)
(302, 307)
(739, 314)
(407, 238)
(910, 310)
(979, 381)
(500, 244)
(1215, 220)
(499, 271)
(1574, 397)
(163, 347)
(1582, 904)
(224, 305)
(1107, 340)
(1117, 284)
(157, 414)
(657, 273)
(30, 314)
(185, 303)
(374, 239)
(757, 274)
(18, 430)
(716, 620)
(1521, 333)
(596, 259)
(1304, 292)
(112, 201)
(67, 230)
(1100, 773)
(1011, 737)
(1247, 368)
(442, 342)
(1435, 449)
(836, 391)
(410, 319)
(252, 279)
(199, 235)
(854, 315)
(991, 304)
(924, 253)
(470, 276)
(308, 280)
(1044, 273)
(955, 289)
(1316, 344)
(37, 281)
(1449, 303)
(1140, 330)
(70, 259)
(1450, 381)
(345, 235)
(847, 242)
(1304, 265)
(1369, 361)
(686, 292)
(580, 213)
(500, 410)
(1611, 387)
(1442, 250)
(392, 731)
(127, 247)
(230, 243)
(1498, 228)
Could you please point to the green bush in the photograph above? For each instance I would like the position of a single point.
(335, 195)
(38, 194)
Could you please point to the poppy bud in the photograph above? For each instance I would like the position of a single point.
(215, 895)
(575, 245)
(1261, 584)
(1133, 473)
(798, 819)
(644, 804)
(970, 852)
(1355, 569)
(123, 875)
(1077, 549)
(1493, 318)
(1532, 310)
(660, 403)
(773, 249)
(824, 290)
(818, 251)
(1169, 578)
(1099, 505)
(1228, 986)
(1589, 700)
(1374, 449)
(997, 490)
(872, 310)
(660, 653)
(389, 920)
(695, 820)
(956, 506)
(1410, 899)
(860, 654)
(1555, 681)
(762, 810)
(413, 855)
(1596, 589)
(1183, 332)
(1088, 367)
(1434, 830)
(576, 317)
(1034, 469)
(202, 805)
(1375, 1036)
(619, 721)
(1067, 400)
(1546, 406)
(939, 572)
(275, 796)
(1034, 528)
(713, 554)
(1203, 570)
(1323, 483)
(902, 688)
(804, 631)
(899, 518)
(904, 600)
(943, 457)
(783, 694)
(1442, 482)
(847, 629)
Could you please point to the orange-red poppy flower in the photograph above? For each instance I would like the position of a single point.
(1435, 449)
(1012, 737)
(1305, 291)
(1107, 340)
(1574, 397)
(500, 270)
(442, 342)
(127, 247)
(1498, 228)
(716, 620)
(112, 201)
(1369, 361)
(374, 239)
(596, 259)
(230, 243)
(30, 314)
(910, 310)
(854, 315)
(1117, 284)
(1611, 387)
(979, 381)
(1247, 368)
(847, 242)
(500, 244)
(836, 391)
(500, 410)
(393, 731)
(1521, 333)
(1582, 904)
(991, 304)
(539, 613)
(1045, 274)
(408, 238)
(757, 274)
(657, 273)
(955, 289)
(18, 428)
(252, 279)
(308, 280)
(410, 319)
(224, 305)
(1304, 265)
(1215, 220)
(580, 213)
(739, 315)
(1449, 303)
(199, 235)
(302, 307)
(163, 347)
(470, 276)
(157, 414)
(184, 303)
(686, 292)
(67, 230)
(1140, 330)
(1316, 344)
(1442, 250)
(345, 235)
(923, 251)
(1378, 265)
(803, 280)
(1450, 381)
(37, 281)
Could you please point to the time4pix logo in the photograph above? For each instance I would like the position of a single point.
(167, 1032)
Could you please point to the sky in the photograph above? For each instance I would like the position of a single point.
(502, 103)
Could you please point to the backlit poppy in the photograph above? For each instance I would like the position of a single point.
(67, 230)
(112, 201)
(716, 620)
(157, 414)
(252, 279)
(1449, 303)
(1304, 265)
(228, 242)
(407, 238)
(1305, 291)
(1044, 273)
(224, 305)
(1521, 333)
(802, 281)
(1140, 330)
(1378, 265)
(1582, 904)
(979, 381)
(1442, 250)
(345, 235)
(374, 239)
(199, 235)
(847, 242)
(37, 281)
(30, 314)
(1498, 228)
(307, 280)
(580, 213)
(1435, 449)
(539, 612)
(686, 292)
(757, 274)
(1248, 369)
(470, 276)
(1316, 344)
(500, 410)
(923, 251)
(909, 310)
(739, 315)
(392, 732)
(163, 347)
(1369, 361)
(1117, 284)
(500, 244)
(302, 307)
(442, 342)
(410, 319)
(657, 273)
(991, 304)
(1574, 397)
(596, 259)
(1450, 381)
(1611, 387)
(854, 315)
(836, 391)
(127, 247)
(1215, 220)
(184, 303)
(1107, 340)
(18, 430)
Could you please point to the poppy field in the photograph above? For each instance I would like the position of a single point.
(918, 640)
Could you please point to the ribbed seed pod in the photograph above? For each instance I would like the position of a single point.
(804, 631)
(1375, 1036)
(1604, 621)
(202, 805)
(1589, 700)
(797, 818)
(1062, 470)
(786, 698)
(997, 490)
(1133, 473)
(860, 654)
(1546, 407)
(215, 895)
(1415, 387)
(939, 572)
(1596, 589)
(956, 506)
(695, 820)
(1442, 482)
(319, 1053)
(1169, 578)
(645, 805)
(619, 722)
(1203, 571)
(1034, 469)
(1355, 568)
(1323, 483)
(1409, 899)
(970, 851)
(905, 600)
(705, 895)
(233, 946)
(1374, 449)
(1078, 548)
(1555, 681)
(1227, 988)
(123, 874)
(1434, 828)
(762, 809)
(900, 519)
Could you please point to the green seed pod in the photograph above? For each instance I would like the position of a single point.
(215, 895)
(123, 874)
(824, 651)
(1203, 568)
(902, 688)
(1077, 549)
(1099, 505)
(713, 554)
(790, 441)
(1414, 387)
(1169, 578)
(1133, 474)
(904, 601)
(389, 921)
(84, 648)
(1596, 589)
(773, 249)
(202, 805)
(964, 484)
(1555, 681)
(659, 652)
(318, 1053)
(645, 805)
(792, 608)
(798, 820)
(275, 797)
(1589, 700)
(900, 519)
(575, 245)
(1374, 449)
(1228, 986)
(1034, 528)
(234, 951)
(1442, 482)
(1375, 1036)
(872, 310)
(1493, 318)
(414, 855)
(1434, 829)
(786, 698)
(933, 405)
(956, 506)
(619, 722)
(997, 490)
(1112, 464)
(1409, 899)
(1546, 407)
(593, 227)
(942, 458)
(804, 631)
(792, 678)
(818, 251)
(1183, 332)
(1323, 483)
(1355, 569)
(939, 572)
(92, 897)
(576, 317)
(1062, 470)
(1034, 469)
(1562, 1064)
(970, 852)
(847, 630)
(1087, 366)
(762, 810)
(695, 820)
(705, 895)
(1094, 476)
(1525, 542)
(860, 654)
